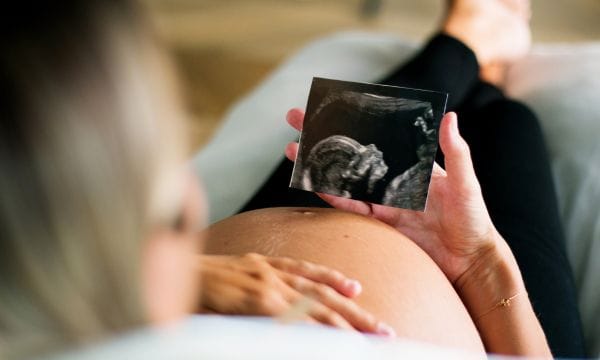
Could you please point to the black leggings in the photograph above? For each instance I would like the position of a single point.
(510, 159)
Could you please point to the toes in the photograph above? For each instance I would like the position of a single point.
(520, 7)
(526, 9)
(494, 73)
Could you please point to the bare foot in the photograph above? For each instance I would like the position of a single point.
(520, 7)
(494, 73)
(496, 30)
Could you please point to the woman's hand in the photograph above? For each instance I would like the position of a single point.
(257, 285)
(455, 230)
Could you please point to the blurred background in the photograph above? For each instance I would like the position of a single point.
(224, 48)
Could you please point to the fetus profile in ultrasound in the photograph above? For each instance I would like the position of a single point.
(369, 142)
(342, 166)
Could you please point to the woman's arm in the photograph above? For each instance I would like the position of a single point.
(275, 286)
(457, 233)
(495, 296)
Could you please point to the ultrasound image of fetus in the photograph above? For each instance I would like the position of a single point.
(340, 165)
(409, 189)
(372, 143)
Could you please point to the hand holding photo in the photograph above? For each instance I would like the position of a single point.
(369, 142)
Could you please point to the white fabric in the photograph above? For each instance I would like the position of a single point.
(560, 82)
(219, 337)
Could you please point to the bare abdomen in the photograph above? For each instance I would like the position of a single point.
(401, 284)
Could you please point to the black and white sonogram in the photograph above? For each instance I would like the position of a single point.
(369, 142)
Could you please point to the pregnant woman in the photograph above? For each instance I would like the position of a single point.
(445, 276)
(99, 223)
(485, 266)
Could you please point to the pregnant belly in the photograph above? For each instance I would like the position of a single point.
(401, 284)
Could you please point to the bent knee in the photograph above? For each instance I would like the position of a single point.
(511, 116)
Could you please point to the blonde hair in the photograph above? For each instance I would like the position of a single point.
(89, 136)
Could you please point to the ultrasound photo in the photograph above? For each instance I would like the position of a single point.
(369, 142)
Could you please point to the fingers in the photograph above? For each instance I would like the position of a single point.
(329, 288)
(305, 304)
(327, 316)
(355, 206)
(329, 305)
(291, 151)
(438, 170)
(319, 274)
(256, 285)
(459, 166)
(295, 117)
(207, 311)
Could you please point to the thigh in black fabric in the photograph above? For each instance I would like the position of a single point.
(275, 192)
(511, 162)
(512, 165)
(444, 64)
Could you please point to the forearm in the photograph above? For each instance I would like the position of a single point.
(495, 295)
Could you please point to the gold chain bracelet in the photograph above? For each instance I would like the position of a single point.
(504, 302)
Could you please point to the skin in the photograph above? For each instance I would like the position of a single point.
(497, 31)
(454, 254)
(477, 23)
(170, 283)
(251, 284)
(174, 271)
(401, 283)
(457, 233)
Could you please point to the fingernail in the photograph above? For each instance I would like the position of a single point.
(353, 286)
(385, 330)
(455, 124)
